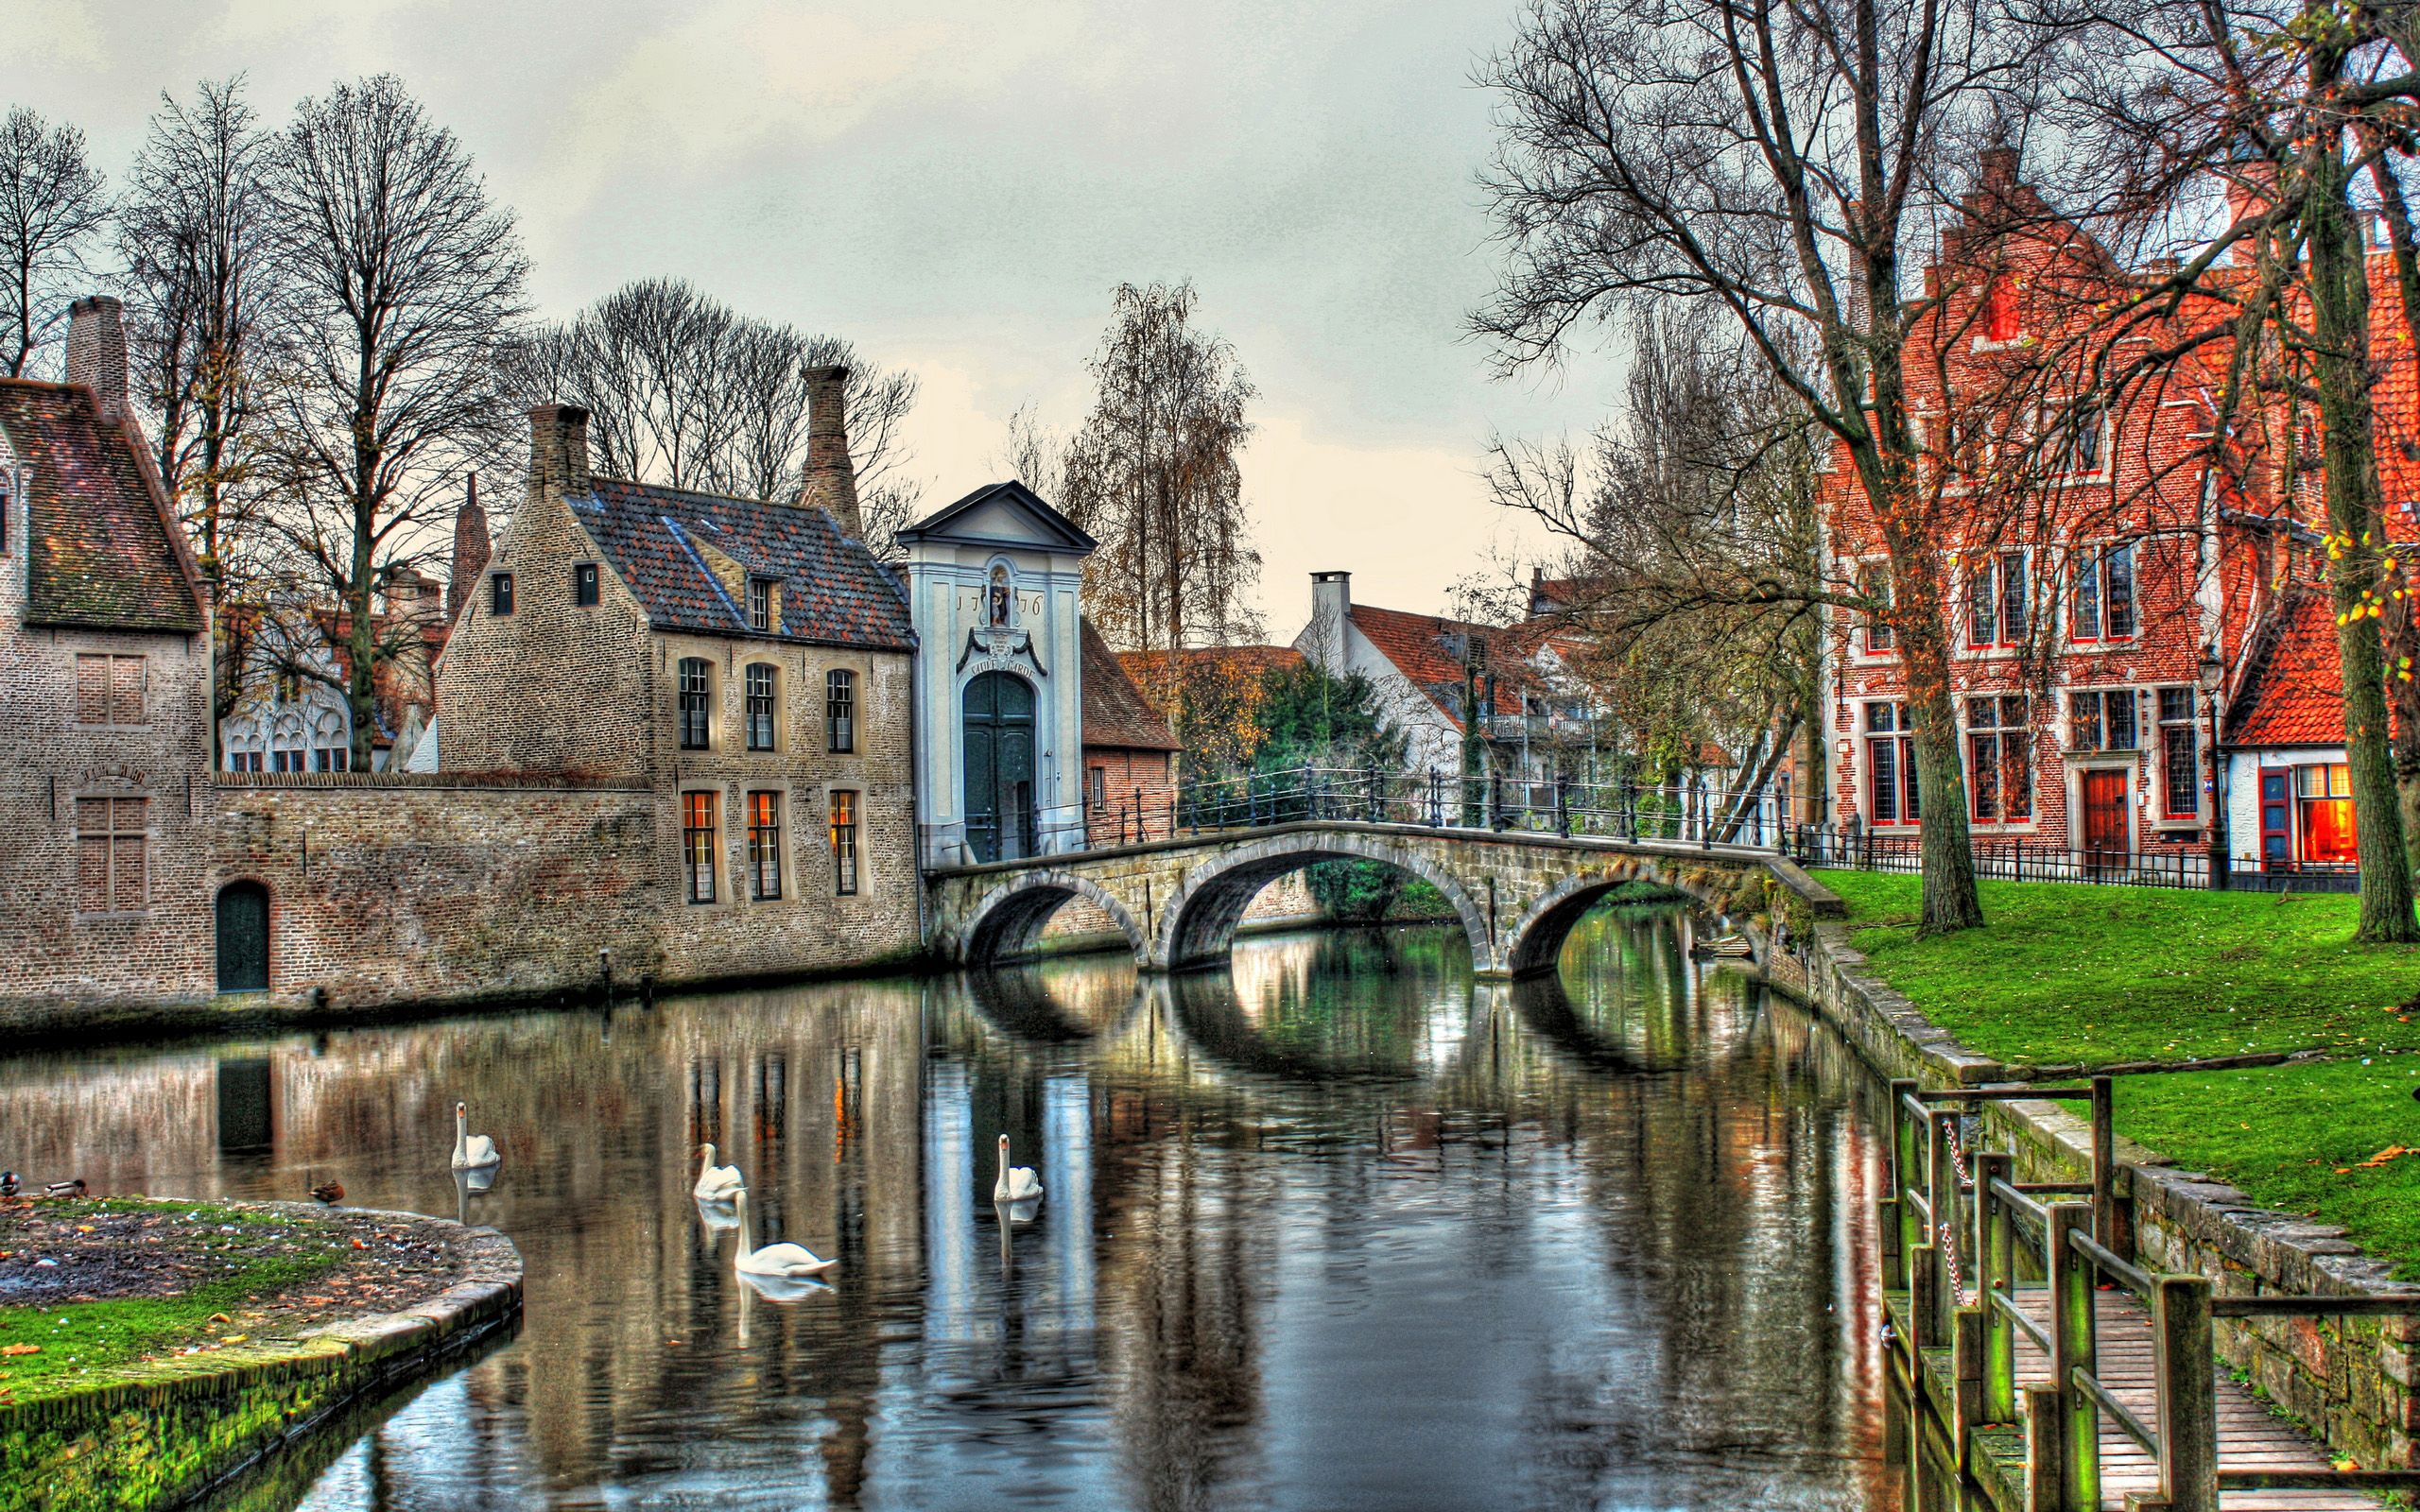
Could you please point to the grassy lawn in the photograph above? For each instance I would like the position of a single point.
(2069, 974)
(2095, 975)
(64, 1345)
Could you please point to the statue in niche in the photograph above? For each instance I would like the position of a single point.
(998, 600)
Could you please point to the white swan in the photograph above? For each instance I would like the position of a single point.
(1018, 1183)
(715, 1183)
(472, 1152)
(786, 1260)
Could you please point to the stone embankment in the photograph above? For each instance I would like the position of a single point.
(402, 1293)
(2351, 1380)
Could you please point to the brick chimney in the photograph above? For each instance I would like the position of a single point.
(469, 550)
(2251, 191)
(559, 450)
(96, 353)
(831, 477)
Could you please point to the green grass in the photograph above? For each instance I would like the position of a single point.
(2294, 1138)
(82, 1341)
(2071, 975)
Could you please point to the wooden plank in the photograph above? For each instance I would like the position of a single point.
(2249, 1437)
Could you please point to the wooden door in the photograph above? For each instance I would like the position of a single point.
(2107, 838)
(242, 937)
(2276, 820)
(996, 736)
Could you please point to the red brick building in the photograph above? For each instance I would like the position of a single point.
(2105, 573)
(1130, 756)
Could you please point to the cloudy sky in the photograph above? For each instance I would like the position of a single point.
(957, 187)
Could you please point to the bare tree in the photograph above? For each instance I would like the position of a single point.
(684, 391)
(1769, 160)
(400, 280)
(194, 235)
(52, 211)
(1155, 476)
(1034, 455)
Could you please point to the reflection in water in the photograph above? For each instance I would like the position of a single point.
(1336, 1228)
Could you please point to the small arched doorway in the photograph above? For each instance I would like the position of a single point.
(996, 735)
(242, 937)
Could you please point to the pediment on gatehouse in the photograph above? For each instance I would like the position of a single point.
(1002, 515)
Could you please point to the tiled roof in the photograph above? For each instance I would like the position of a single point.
(833, 590)
(1148, 666)
(2296, 697)
(1422, 646)
(1116, 716)
(103, 551)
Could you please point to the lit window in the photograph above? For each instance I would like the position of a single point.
(2101, 719)
(844, 843)
(2000, 758)
(765, 845)
(583, 584)
(840, 712)
(2101, 608)
(2180, 753)
(695, 673)
(698, 844)
(760, 705)
(112, 854)
(500, 594)
(1890, 766)
(1998, 319)
(2324, 795)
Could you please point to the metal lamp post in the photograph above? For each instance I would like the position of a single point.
(2211, 674)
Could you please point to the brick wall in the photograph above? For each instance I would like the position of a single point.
(1137, 786)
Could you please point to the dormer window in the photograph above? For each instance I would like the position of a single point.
(760, 604)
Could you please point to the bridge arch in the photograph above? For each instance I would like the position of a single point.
(1198, 924)
(1534, 945)
(1007, 924)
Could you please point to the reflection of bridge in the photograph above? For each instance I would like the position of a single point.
(1515, 894)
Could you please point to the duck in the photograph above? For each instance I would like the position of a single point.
(794, 1262)
(715, 1183)
(1018, 1183)
(472, 1152)
(330, 1192)
(9, 1183)
(72, 1187)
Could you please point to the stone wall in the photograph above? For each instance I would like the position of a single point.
(71, 936)
(2351, 1379)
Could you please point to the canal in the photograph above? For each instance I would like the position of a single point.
(1336, 1228)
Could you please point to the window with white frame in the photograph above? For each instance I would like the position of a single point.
(2180, 753)
(1998, 601)
(1890, 766)
(2100, 606)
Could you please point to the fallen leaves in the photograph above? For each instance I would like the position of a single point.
(19, 1348)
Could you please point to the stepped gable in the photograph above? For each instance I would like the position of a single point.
(103, 551)
(833, 590)
(1117, 715)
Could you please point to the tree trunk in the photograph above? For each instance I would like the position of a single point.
(2400, 626)
(2341, 375)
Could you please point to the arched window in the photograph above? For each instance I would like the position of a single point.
(761, 705)
(695, 682)
(999, 600)
(840, 712)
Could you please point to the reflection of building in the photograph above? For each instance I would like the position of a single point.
(993, 583)
(104, 693)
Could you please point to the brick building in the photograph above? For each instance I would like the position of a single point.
(104, 695)
(747, 663)
(1130, 756)
(2110, 585)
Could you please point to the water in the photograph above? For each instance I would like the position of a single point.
(1339, 1228)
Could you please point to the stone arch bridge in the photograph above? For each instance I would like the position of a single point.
(1516, 894)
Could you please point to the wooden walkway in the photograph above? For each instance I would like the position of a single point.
(2250, 1435)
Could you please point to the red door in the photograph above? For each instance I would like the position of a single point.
(2105, 833)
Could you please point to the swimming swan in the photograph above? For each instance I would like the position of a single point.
(472, 1152)
(786, 1260)
(1018, 1183)
(715, 1183)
